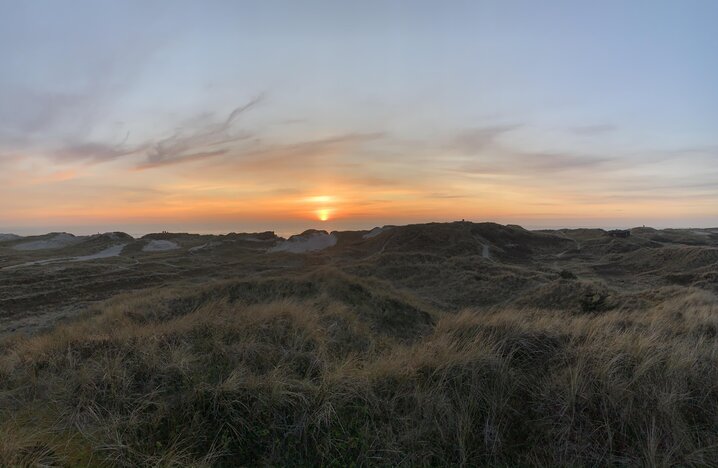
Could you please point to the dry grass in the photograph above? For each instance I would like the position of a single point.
(165, 381)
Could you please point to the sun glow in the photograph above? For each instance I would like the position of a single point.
(320, 199)
(323, 214)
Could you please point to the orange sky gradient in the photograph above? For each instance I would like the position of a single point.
(250, 116)
(331, 191)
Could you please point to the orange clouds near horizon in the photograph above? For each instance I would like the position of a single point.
(348, 181)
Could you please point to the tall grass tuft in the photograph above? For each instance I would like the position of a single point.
(305, 382)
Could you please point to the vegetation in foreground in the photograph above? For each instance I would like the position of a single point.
(171, 379)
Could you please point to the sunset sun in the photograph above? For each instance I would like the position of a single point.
(323, 214)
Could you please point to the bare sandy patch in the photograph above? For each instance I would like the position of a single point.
(310, 242)
(160, 246)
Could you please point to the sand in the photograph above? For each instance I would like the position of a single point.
(375, 232)
(113, 251)
(160, 246)
(485, 251)
(206, 246)
(306, 243)
(56, 242)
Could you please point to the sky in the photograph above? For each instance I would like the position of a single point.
(232, 116)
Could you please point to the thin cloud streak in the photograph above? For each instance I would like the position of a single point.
(183, 147)
(591, 130)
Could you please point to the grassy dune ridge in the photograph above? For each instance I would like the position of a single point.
(173, 378)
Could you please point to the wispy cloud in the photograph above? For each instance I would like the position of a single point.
(94, 152)
(199, 143)
(589, 130)
(298, 154)
(474, 140)
(69, 110)
(206, 139)
(535, 164)
(484, 151)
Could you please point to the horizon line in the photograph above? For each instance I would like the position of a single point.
(287, 233)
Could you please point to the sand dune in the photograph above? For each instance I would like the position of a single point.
(306, 242)
(113, 251)
(208, 246)
(390, 341)
(58, 241)
(375, 232)
(155, 245)
(8, 237)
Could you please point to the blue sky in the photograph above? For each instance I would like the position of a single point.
(120, 114)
